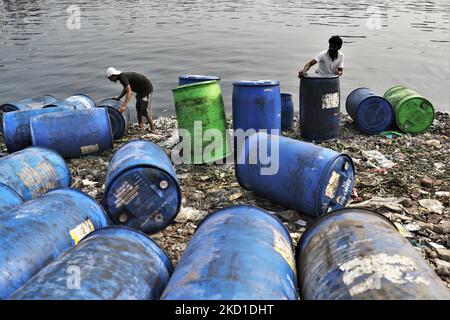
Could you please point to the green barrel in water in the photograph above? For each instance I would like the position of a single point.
(413, 113)
(202, 122)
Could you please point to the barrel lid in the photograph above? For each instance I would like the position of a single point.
(198, 77)
(256, 83)
(315, 75)
(415, 115)
(374, 115)
(336, 184)
(144, 197)
(197, 84)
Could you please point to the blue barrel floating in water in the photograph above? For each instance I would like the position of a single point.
(119, 120)
(319, 107)
(27, 104)
(34, 171)
(371, 113)
(287, 111)
(355, 254)
(73, 133)
(298, 175)
(142, 189)
(78, 102)
(16, 126)
(189, 79)
(114, 263)
(40, 230)
(257, 105)
(9, 199)
(237, 253)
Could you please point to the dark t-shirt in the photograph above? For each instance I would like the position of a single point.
(138, 83)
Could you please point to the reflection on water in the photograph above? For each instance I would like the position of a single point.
(234, 39)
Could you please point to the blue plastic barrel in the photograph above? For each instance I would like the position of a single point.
(119, 120)
(355, 254)
(113, 263)
(142, 189)
(27, 104)
(39, 231)
(16, 126)
(188, 79)
(9, 199)
(319, 107)
(371, 113)
(298, 175)
(73, 133)
(257, 105)
(79, 102)
(287, 111)
(237, 253)
(33, 171)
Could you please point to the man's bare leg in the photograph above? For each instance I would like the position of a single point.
(149, 112)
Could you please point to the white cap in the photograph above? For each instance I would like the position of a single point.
(112, 72)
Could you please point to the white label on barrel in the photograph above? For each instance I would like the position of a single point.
(81, 231)
(330, 100)
(126, 193)
(393, 268)
(89, 149)
(332, 186)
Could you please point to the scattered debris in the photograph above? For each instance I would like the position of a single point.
(377, 156)
(393, 188)
(427, 182)
(433, 206)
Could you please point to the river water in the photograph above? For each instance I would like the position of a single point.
(44, 50)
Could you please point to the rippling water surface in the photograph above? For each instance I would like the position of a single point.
(239, 39)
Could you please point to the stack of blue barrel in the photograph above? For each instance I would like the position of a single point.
(52, 234)
(55, 124)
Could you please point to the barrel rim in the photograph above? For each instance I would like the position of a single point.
(198, 77)
(394, 87)
(118, 115)
(320, 76)
(349, 95)
(286, 95)
(14, 192)
(320, 219)
(86, 96)
(11, 103)
(259, 209)
(251, 83)
(57, 154)
(196, 84)
(162, 254)
(326, 171)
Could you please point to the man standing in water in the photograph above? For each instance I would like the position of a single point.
(134, 82)
(330, 61)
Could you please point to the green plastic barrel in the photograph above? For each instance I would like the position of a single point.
(200, 112)
(413, 113)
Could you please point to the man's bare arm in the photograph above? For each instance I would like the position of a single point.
(307, 66)
(126, 91)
